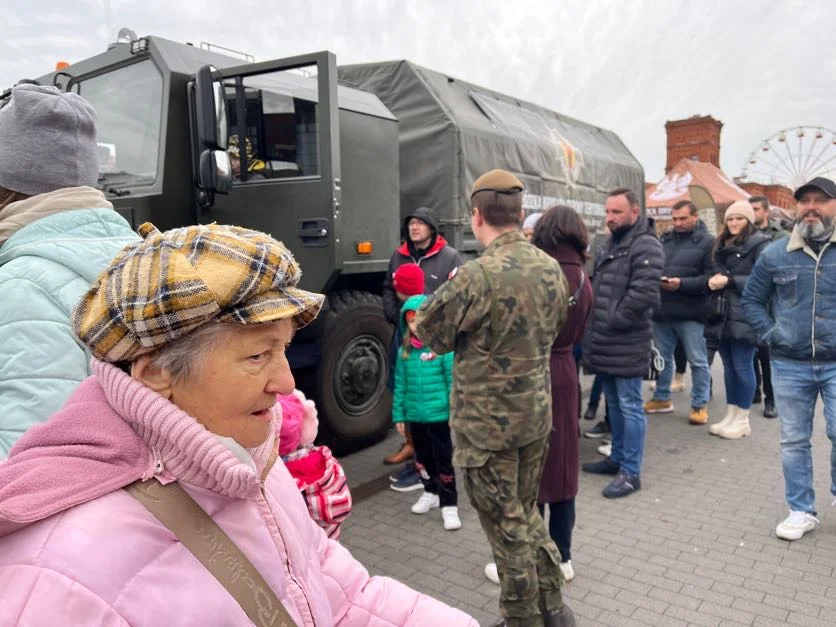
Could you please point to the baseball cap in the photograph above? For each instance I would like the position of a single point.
(825, 186)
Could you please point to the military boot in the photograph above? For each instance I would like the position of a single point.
(564, 617)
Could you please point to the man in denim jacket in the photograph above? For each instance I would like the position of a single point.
(789, 299)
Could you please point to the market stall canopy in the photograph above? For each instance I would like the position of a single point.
(686, 173)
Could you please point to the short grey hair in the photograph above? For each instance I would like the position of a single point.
(184, 357)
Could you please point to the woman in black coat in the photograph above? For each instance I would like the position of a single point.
(734, 256)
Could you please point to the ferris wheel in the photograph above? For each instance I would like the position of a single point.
(792, 157)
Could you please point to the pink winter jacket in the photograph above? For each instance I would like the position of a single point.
(75, 549)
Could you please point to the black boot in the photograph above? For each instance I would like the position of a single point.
(591, 412)
(769, 409)
(564, 617)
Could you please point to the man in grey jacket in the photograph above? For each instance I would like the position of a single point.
(618, 337)
(763, 370)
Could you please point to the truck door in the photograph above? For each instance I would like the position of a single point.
(283, 144)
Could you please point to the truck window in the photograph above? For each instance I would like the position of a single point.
(128, 104)
(281, 129)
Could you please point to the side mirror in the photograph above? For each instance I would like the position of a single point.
(215, 176)
(210, 110)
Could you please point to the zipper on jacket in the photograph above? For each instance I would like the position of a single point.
(271, 461)
(158, 462)
(274, 456)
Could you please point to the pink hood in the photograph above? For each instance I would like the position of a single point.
(76, 549)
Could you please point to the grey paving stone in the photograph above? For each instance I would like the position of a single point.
(693, 617)
(695, 547)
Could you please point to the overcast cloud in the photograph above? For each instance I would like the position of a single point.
(758, 66)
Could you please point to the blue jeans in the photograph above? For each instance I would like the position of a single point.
(738, 372)
(628, 421)
(797, 385)
(693, 341)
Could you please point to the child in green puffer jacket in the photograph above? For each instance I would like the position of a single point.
(422, 398)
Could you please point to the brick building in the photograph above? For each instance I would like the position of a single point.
(778, 195)
(696, 138)
(693, 158)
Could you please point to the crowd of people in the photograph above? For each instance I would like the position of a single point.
(686, 294)
(139, 466)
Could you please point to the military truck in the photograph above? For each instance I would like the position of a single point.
(327, 160)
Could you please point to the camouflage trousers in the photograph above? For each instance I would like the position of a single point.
(503, 491)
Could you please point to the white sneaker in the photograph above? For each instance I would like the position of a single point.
(567, 570)
(424, 504)
(605, 449)
(491, 574)
(796, 525)
(450, 516)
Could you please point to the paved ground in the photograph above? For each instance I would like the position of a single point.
(694, 547)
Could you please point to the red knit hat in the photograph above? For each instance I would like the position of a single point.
(409, 279)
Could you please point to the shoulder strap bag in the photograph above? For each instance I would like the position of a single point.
(196, 530)
(573, 299)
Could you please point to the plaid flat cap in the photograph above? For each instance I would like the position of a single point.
(168, 284)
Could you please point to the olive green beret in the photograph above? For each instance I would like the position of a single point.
(498, 181)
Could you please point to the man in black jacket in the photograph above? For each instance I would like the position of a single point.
(618, 337)
(687, 267)
(422, 245)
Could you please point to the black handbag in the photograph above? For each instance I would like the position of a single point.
(716, 306)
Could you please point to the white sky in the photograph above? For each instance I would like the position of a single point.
(629, 66)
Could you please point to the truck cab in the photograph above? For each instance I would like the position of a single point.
(187, 135)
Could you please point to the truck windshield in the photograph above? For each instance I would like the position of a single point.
(128, 104)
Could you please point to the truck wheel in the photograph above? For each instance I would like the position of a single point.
(354, 402)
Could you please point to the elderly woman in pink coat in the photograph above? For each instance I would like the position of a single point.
(156, 495)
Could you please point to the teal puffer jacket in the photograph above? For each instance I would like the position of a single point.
(423, 379)
(45, 269)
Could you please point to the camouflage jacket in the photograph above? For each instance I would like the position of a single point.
(500, 314)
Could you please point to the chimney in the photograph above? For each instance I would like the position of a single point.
(696, 138)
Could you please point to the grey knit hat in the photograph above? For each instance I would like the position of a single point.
(47, 141)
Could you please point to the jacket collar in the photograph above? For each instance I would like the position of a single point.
(643, 226)
(796, 242)
(114, 431)
(24, 212)
(434, 249)
(755, 239)
(506, 238)
(699, 231)
(566, 255)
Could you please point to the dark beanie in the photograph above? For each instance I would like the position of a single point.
(409, 279)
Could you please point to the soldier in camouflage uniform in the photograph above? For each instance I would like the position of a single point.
(500, 314)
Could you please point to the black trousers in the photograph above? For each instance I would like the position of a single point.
(680, 358)
(763, 374)
(434, 451)
(561, 523)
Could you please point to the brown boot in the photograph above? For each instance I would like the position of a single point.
(405, 453)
